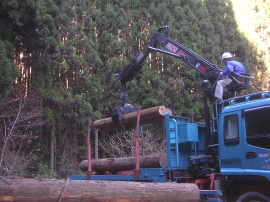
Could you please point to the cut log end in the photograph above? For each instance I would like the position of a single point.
(163, 110)
(163, 161)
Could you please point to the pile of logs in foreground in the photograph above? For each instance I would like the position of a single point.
(147, 116)
(25, 190)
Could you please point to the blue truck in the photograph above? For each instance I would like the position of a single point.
(228, 156)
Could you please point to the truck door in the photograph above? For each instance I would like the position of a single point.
(256, 124)
(230, 144)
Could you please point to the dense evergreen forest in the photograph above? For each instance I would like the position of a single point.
(58, 59)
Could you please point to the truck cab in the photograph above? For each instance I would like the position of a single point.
(244, 144)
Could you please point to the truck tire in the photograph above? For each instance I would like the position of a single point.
(253, 197)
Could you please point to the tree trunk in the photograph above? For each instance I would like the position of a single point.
(127, 163)
(96, 144)
(151, 115)
(52, 148)
(25, 190)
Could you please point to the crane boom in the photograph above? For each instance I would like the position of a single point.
(172, 48)
(161, 42)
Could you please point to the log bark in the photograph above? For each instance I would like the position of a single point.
(148, 116)
(25, 190)
(127, 163)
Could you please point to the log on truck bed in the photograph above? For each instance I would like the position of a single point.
(125, 163)
(148, 116)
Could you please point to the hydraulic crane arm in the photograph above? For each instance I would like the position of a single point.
(134, 67)
(173, 48)
(160, 42)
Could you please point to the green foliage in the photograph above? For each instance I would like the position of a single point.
(44, 171)
(8, 69)
(253, 23)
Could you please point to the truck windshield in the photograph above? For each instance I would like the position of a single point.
(258, 127)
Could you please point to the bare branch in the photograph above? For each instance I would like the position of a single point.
(20, 118)
(122, 144)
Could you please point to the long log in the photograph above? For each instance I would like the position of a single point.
(25, 190)
(148, 116)
(127, 163)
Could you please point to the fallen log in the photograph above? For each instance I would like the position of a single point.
(95, 191)
(127, 163)
(148, 116)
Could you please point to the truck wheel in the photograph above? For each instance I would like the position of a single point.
(253, 197)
